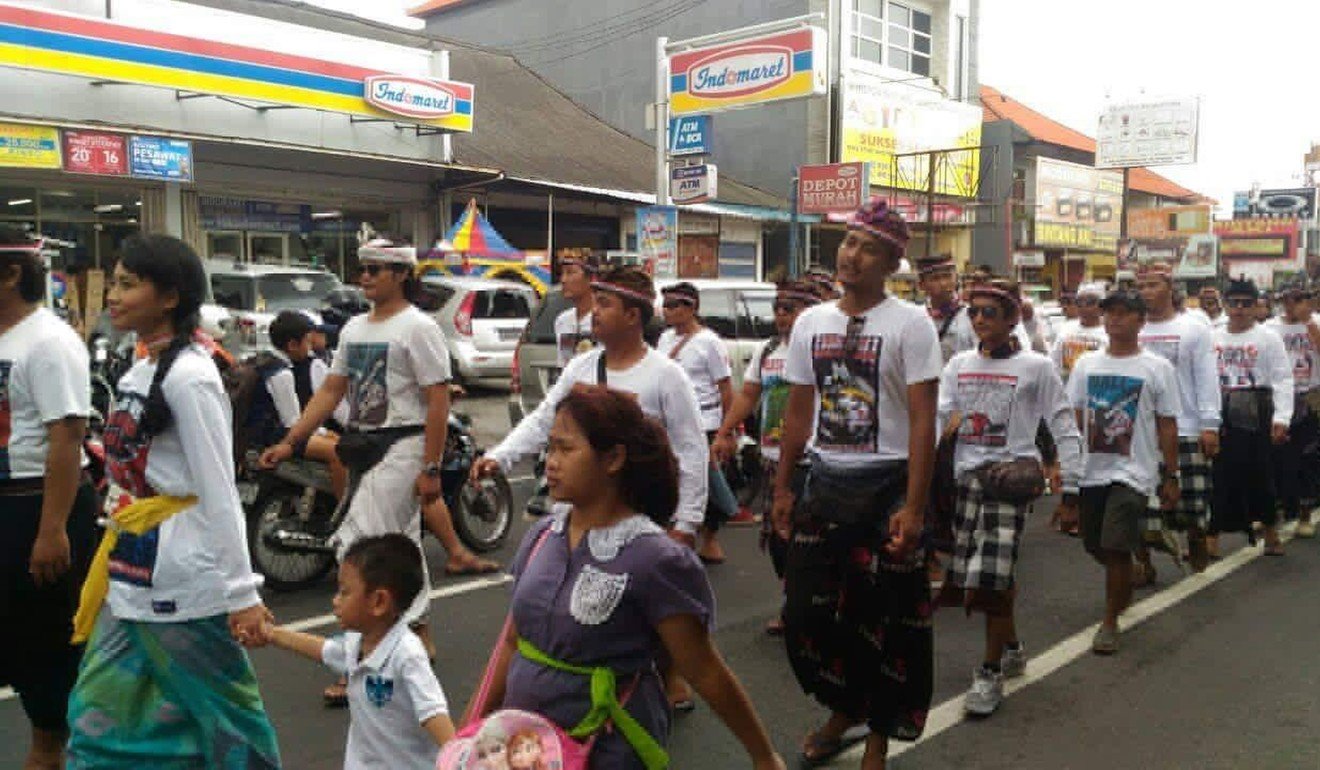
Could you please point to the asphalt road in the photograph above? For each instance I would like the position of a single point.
(1218, 671)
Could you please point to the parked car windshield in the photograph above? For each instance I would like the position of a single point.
(295, 291)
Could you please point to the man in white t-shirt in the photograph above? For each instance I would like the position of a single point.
(863, 372)
(1209, 309)
(995, 399)
(1186, 344)
(1085, 334)
(1127, 405)
(705, 358)
(573, 326)
(937, 276)
(1296, 465)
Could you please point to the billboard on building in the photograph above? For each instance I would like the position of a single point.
(1257, 239)
(1160, 132)
(1077, 207)
(752, 70)
(1295, 202)
(880, 120)
(1169, 222)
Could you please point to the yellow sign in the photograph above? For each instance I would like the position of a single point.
(1169, 222)
(29, 146)
(1077, 207)
(882, 120)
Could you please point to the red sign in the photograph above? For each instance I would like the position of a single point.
(92, 152)
(1274, 239)
(831, 188)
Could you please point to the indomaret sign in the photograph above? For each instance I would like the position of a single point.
(832, 188)
(753, 70)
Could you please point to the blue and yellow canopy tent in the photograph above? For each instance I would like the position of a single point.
(474, 248)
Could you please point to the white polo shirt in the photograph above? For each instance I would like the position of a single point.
(390, 695)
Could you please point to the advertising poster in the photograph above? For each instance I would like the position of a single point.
(152, 157)
(882, 119)
(657, 239)
(1149, 133)
(95, 152)
(1077, 207)
(29, 146)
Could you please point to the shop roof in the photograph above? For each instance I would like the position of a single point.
(996, 106)
(524, 125)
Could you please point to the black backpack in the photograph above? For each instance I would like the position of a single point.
(244, 381)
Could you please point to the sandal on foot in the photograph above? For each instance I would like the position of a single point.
(817, 751)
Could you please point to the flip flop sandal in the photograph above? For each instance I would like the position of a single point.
(478, 567)
(775, 627)
(817, 751)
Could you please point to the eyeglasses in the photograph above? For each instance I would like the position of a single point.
(991, 312)
(670, 304)
(853, 337)
(1240, 302)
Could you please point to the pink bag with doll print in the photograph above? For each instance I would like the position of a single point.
(513, 740)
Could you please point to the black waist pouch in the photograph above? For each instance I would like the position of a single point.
(360, 451)
(864, 495)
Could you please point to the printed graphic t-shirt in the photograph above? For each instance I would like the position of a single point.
(1073, 341)
(389, 364)
(861, 379)
(44, 377)
(1185, 342)
(1120, 397)
(1301, 352)
(767, 370)
(1256, 358)
(572, 335)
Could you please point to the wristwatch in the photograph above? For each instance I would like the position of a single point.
(433, 469)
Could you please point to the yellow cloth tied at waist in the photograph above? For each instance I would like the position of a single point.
(136, 518)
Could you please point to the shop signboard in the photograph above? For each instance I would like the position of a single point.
(832, 187)
(657, 239)
(693, 184)
(1169, 222)
(218, 213)
(95, 152)
(1034, 258)
(882, 119)
(1257, 239)
(104, 50)
(1160, 132)
(23, 146)
(153, 157)
(753, 70)
(691, 135)
(1295, 203)
(1077, 207)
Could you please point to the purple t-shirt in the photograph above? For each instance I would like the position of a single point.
(599, 605)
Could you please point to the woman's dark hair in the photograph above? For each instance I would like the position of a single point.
(31, 269)
(170, 265)
(634, 280)
(608, 418)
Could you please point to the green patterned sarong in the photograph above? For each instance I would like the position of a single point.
(168, 696)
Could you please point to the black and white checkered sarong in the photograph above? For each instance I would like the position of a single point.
(1193, 508)
(986, 536)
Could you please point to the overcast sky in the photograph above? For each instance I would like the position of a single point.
(1066, 57)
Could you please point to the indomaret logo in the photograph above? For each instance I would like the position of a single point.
(740, 71)
(411, 97)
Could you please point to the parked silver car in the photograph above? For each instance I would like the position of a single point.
(740, 311)
(482, 321)
(255, 294)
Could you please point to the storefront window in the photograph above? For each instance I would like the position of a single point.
(86, 224)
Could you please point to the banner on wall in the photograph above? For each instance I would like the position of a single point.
(96, 153)
(881, 120)
(1077, 207)
(657, 239)
(23, 146)
(154, 157)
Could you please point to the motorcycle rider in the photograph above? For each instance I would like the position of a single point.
(278, 406)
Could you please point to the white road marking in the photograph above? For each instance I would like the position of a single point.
(7, 693)
(950, 713)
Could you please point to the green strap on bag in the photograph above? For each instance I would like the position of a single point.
(605, 707)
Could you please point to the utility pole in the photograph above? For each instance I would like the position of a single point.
(661, 121)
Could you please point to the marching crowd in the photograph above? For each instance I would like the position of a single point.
(906, 445)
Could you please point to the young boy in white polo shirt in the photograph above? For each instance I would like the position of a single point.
(399, 716)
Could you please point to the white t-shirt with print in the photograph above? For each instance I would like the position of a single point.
(390, 694)
(861, 382)
(1002, 402)
(1074, 340)
(663, 392)
(1301, 351)
(767, 370)
(572, 335)
(45, 376)
(195, 565)
(389, 364)
(1186, 343)
(706, 361)
(1120, 397)
(1256, 358)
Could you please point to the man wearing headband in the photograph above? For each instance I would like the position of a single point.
(1186, 344)
(49, 521)
(624, 304)
(1256, 385)
(1127, 406)
(1209, 308)
(705, 358)
(765, 391)
(1301, 337)
(937, 276)
(997, 396)
(573, 326)
(1083, 335)
(866, 369)
(823, 282)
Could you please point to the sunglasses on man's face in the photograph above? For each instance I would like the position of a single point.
(991, 312)
(1240, 302)
(670, 304)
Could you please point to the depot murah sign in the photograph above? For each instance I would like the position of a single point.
(754, 70)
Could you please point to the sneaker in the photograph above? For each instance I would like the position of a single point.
(1305, 530)
(1105, 641)
(1014, 662)
(986, 694)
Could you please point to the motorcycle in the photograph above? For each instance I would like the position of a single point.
(292, 512)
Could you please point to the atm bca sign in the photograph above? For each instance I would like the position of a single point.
(693, 184)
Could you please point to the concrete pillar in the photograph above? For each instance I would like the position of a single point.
(173, 224)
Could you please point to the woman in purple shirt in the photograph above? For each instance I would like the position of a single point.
(599, 584)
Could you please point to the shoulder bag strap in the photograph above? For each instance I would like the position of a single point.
(673, 354)
(602, 378)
